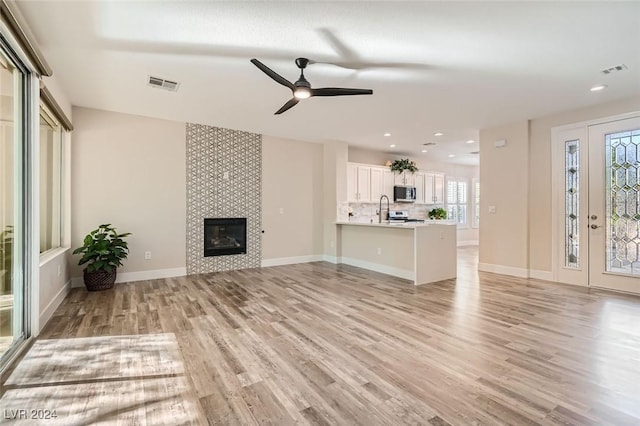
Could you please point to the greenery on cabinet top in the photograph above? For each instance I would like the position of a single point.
(388, 168)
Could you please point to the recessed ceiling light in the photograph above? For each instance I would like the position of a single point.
(387, 134)
(392, 145)
(470, 141)
(424, 150)
(598, 87)
(451, 155)
(438, 134)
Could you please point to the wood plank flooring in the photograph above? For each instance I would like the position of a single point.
(323, 344)
(114, 380)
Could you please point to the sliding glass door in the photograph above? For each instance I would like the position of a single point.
(12, 216)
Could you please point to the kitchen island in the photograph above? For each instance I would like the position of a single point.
(420, 252)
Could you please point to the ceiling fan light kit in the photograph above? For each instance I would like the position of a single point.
(301, 89)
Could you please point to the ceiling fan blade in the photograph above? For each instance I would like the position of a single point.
(338, 91)
(290, 104)
(271, 73)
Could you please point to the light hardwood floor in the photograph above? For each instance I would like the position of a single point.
(318, 343)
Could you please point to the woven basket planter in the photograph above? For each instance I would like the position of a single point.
(99, 280)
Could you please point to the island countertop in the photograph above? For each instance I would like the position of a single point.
(409, 225)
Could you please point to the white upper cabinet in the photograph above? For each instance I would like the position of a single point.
(366, 184)
(407, 179)
(358, 183)
(434, 188)
(388, 181)
(420, 180)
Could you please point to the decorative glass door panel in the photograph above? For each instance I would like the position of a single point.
(614, 205)
(572, 204)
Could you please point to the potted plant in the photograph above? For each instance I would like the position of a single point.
(103, 250)
(438, 213)
(402, 166)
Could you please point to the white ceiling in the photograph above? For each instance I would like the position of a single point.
(451, 67)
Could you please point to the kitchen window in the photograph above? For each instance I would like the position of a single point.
(476, 203)
(457, 201)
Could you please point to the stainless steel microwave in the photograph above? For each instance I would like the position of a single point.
(404, 194)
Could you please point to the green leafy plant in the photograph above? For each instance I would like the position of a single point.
(404, 165)
(6, 256)
(103, 249)
(438, 213)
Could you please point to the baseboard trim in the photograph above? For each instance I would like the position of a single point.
(330, 259)
(383, 269)
(127, 277)
(47, 312)
(504, 270)
(541, 275)
(291, 260)
(468, 243)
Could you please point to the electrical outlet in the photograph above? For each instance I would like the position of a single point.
(492, 209)
(147, 255)
(379, 250)
(331, 244)
(281, 210)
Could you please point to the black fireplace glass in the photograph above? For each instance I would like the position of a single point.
(224, 236)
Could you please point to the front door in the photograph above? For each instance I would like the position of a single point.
(613, 217)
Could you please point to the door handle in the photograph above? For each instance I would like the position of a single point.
(594, 217)
(595, 226)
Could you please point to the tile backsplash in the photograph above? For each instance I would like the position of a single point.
(367, 212)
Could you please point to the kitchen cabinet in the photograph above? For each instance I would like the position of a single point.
(377, 183)
(420, 180)
(388, 181)
(366, 184)
(434, 188)
(358, 183)
(407, 179)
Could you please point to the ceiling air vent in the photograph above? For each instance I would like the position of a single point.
(475, 152)
(617, 68)
(161, 83)
(429, 143)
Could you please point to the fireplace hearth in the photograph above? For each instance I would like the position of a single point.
(225, 236)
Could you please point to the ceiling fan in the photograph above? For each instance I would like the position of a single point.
(302, 88)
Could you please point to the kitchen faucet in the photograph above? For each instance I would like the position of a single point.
(380, 208)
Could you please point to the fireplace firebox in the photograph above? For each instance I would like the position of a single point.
(224, 236)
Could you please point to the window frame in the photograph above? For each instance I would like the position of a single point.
(52, 119)
(457, 203)
(475, 221)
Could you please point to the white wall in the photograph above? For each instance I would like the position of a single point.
(292, 200)
(503, 180)
(335, 156)
(129, 171)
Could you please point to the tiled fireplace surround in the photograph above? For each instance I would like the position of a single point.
(224, 180)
